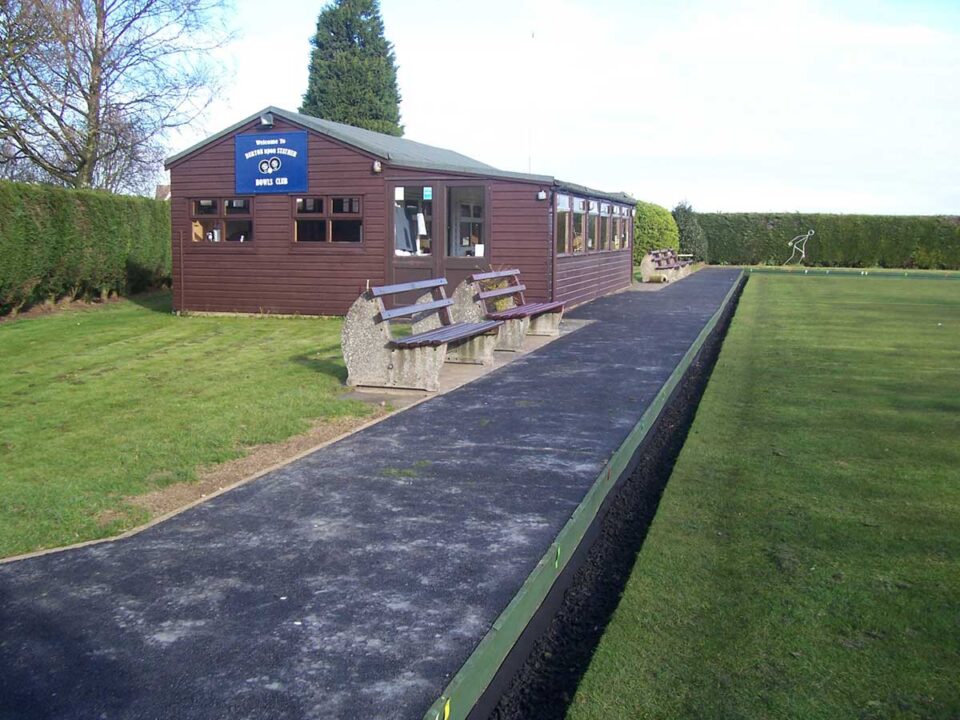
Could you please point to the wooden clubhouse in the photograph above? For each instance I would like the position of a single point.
(289, 214)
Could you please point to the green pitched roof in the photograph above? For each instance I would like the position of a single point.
(397, 151)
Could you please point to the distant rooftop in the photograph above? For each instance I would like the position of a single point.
(401, 152)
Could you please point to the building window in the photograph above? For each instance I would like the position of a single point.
(221, 220)
(327, 219)
(309, 206)
(413, 220)
(310, 224)
(347, 231)
(606, 225)
(466, 221)
(625, 229)
(579, 226)
(619, 237)
(205, 207)
(563, 224)
(615, 228)
(592, 217)
(346, 206)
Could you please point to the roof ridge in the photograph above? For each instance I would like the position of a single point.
(399, 151)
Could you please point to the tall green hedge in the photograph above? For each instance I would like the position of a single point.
(57, 243)
(895, 241)
(693, 241)
(653, 229)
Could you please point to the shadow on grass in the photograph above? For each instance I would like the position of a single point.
(325, 363)
(158, 301)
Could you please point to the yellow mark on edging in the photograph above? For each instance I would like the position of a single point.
(446, 710)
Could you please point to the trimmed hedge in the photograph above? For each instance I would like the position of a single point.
(57, 243)
(894, 241)
(653, 229)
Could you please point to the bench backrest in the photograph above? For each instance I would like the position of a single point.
(440, 304)
(499, 284)
(663, 256)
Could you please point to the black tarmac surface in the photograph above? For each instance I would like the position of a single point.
(353, 582)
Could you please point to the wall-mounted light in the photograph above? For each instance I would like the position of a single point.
(377, 166)
(266, 120)
(542, 195)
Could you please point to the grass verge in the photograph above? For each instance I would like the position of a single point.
(805, 559)
(100, 405)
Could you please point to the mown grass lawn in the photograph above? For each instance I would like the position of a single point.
(103, 404)
(805, 559)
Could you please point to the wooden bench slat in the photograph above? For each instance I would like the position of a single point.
(493, 275)
(447, 333)
(383, 290)
(409, 310)
(528, 310)
(500, 292)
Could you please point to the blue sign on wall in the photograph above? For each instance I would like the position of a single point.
(271, 163)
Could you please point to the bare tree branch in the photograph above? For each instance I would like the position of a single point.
(89, 87)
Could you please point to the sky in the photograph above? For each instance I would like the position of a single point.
(772, 105)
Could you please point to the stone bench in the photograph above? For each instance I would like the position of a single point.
(499, 296)
(664, 266)
(376, 357)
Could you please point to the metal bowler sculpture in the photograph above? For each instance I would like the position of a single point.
(799, 247)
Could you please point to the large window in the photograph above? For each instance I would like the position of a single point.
(622, 226)
(310, 224)
(626, 231)
(336, 219)
(606, 226)
(579, 226)
(563, 224)
(413, 220)
(616, 229)
(592, 216)
(466, 221)
(221, 220)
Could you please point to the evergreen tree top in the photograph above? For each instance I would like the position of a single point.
(353, 71)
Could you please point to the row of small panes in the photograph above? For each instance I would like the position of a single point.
(593, 207)
(231, 206)
(241, 206)
(594, 235)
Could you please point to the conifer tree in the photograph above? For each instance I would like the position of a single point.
(353, 71)
(692, 238)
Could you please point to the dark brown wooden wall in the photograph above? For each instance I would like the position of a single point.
(273, 274)
(581, 278)
(520, 236)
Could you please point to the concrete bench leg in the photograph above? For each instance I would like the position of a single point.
(372, 362)
(473, 351)
(411, 368)
(648, 270)
(417, 368)
(546, 324)
(512, 333)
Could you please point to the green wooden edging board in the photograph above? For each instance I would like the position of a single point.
(856, 272)
(466, 687)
